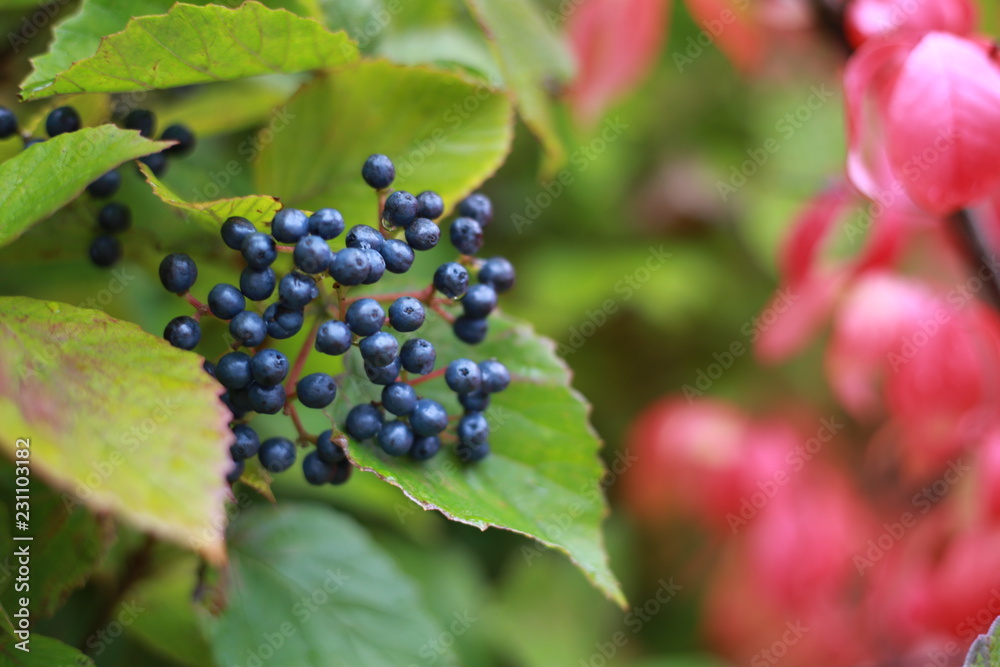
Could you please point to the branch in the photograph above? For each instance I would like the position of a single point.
(979, 253)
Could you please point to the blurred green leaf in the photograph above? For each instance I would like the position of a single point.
(229, 106)
(310, 583)
(92, 393)
(67, 542)
(211, 214)
(533, 61)
(47, 176)
(449, 136)
(543, 476)
(168, 621)
(193, 44)
(442, 46)
(44, 652)
(985, 650)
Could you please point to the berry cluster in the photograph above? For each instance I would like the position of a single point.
(113, 218)
(262, 380)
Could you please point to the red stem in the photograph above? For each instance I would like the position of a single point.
(294, 414)
(430, 376)
(422, 295)
(445, 315)
(300, 360)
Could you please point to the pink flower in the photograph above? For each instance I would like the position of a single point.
(869, 19)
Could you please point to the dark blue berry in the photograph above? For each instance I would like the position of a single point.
(257, 285)
(379, 349)
(406, 314)
(378, 171)
(428, 417)
(31, 141)
(114, 217)
(430, 205)
(235, 472)
(342, 472)
(466, 235)
(269, 367)
(326, 223)
(312, 254)
(233, 370)
(473, 429)
(106, 185)
(105, 250)
(226, 302)
(247, 442)
(478, 207)
(451, 279)
(498, 272)
(363, 421)
(425, 447)
(296, 290)
(266, 400)
(183, 332)
(289, 225)
(376, 267)
(365, 317)
(316, 390)
(472, 453)
(248, 328)
(143, 120)
(399, 398)
(423, 234)
(397, 255)
(157, 163)
(364, 237)
(330, 449)
(479, 301)
(208, 367)
(471, 330)
(183, 136)
(463, 376)
(277, 454)
(475, 401)
(333, 337)
(238, 403)
(282, 322)
(259, 250)
(235, 230)
(400, 209)
(8, 123)
(178, 272)
(418, 356)
(496, 377)
(350, 266)
(395, 438)
(383, 374)
(62, 120)
(317, 471)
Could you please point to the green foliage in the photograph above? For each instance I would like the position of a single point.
(449, 136)
(144, 435)
(985, 651)
(199, 45)
(44, 652)
(543, 477)
(49, 175)
(310, 582)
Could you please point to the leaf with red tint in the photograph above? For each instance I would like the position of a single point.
(810, 230)
(615, 43)
(943, 123)
(866, 19)
(732, 28)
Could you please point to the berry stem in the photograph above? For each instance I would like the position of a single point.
(430, 376)
(445, 315)
(300, 360)
(421, 295)
(284, 248)
(382, 195)
(292, 412)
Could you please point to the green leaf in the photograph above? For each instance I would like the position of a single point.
(542, 478)
(211, 214)
(49, 175)
(449, 136)
(116, 418)
(313, 580)
(44, 652)
(532, 59)
(193, 44)
(68, 541)
(985, 650)
(231, 106)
